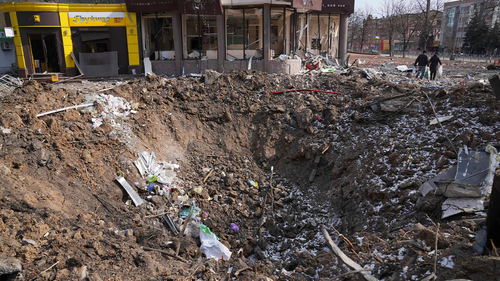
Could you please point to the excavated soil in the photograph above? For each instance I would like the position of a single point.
(60, 205)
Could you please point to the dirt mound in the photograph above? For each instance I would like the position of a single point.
(337, 159)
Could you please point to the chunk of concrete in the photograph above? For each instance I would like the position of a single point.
(9, 265)
(211, 76)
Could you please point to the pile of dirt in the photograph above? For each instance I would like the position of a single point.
(337, 160)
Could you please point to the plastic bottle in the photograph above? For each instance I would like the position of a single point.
(481, 239)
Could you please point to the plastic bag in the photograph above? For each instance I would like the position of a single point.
(426, 75)
(210, 245)
(414, 69)
(440, 71)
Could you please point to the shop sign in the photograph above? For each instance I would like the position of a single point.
(6, 35)
(96, 18)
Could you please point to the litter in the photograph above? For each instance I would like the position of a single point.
(131, 192)
(184, 212)
(441, 120)
(403, 68)
(171, 224)
(481, 238)
(307, 90)
(66, 108)
(211, 246)
(234, 227)
(147, 166)
(9, 83)
(453, 206)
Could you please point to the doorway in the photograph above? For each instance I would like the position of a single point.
(44, 53)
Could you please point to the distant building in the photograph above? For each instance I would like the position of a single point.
(457, 15)
(379, 35)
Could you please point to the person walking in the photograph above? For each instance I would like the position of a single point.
(434, 65)
(422, 61)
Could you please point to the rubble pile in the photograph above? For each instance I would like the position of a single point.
(240, 172)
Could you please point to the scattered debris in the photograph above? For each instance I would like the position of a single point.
(210, 245)
(435, 121)
(131, 192)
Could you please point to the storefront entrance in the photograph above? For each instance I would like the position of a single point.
(44, 54)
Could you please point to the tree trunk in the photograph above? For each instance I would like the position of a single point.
(426, 25)
(390, 45)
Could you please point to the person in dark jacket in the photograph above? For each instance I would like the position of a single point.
(422, 61)
(434, 65)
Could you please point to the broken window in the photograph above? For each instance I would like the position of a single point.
(243, 33)
(159, 41)
(253, 33)
(200, 37)
(234, 34)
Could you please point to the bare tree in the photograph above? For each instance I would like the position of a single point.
(365, 26)
(406, 22)
(388, 21)
(353, 30)
(428, 11)
(360, 27)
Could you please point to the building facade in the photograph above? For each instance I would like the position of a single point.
(49, 37)
(458, 14)
(7, 53)
(175, 37)
(191, 36)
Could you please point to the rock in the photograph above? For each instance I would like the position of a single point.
(34, 146)
(29, 242)
(211, 76)
(9, 265)
(258, 253)
(87, 157)
(254, 108)
(157, 200)
(304, 118)
(228, 116)
(310, 271)
(4, 170)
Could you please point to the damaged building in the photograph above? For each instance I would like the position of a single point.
(175, 37)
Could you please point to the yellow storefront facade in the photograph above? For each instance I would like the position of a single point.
(102, 37)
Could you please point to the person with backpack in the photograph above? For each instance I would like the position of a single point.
(434, 65)
(422, 61)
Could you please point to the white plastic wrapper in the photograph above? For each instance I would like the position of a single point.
(212, 248)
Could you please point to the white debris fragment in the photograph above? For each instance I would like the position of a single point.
(441, 119)
(447, 262)
(5, 130)
(147, 166)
